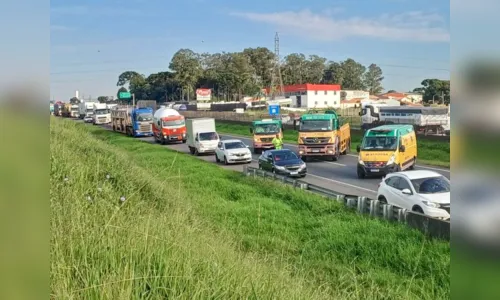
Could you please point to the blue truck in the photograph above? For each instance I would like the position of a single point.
(132, 121)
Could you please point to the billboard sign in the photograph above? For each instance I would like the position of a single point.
(203, 94)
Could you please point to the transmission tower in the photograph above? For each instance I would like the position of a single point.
(276, 89)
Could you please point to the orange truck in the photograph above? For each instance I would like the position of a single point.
(169, 126)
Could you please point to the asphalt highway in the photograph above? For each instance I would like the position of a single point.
(338, 176)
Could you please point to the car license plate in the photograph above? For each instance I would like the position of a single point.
(294, 173)
(315, 150)
(374, 170)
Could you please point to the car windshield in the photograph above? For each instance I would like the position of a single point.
(101, 111)
(267, 129)
(283, 156)
(208, 136)
(316, 125)
(380, 143)
(432, 185)
(173, 123)
(144, 117)
(234, 145)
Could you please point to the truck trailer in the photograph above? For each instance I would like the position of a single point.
(136, 122)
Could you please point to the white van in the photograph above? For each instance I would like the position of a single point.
(201, 135)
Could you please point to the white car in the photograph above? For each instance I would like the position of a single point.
(232, 151)
(425, 192)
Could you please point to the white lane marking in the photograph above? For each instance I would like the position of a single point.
(343, 183)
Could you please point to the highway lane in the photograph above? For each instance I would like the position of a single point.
(339, 176)
(319, 173)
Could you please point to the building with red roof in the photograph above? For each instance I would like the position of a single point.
(309, 95)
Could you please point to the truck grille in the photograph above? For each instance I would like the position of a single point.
(375, 164)
(145, 128)
(102, 119)
(266, 140)
(315, 141)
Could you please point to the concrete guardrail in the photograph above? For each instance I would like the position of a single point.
(432, 227)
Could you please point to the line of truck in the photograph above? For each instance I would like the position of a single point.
(384, 149)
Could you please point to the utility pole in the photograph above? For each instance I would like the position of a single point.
(276, 78)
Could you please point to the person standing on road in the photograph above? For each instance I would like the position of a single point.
(278, 142)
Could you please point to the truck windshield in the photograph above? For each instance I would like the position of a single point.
(101, 111)
(316, 125)
(208, 136)
(267, 129)
(144, 117)
(173, 123)
(379, 143)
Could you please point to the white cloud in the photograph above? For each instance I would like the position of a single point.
(410, 26)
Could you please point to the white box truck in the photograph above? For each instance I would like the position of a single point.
(201, 135)
(101, 114)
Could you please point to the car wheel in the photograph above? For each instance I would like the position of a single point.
(225, 161)
(217, 160)
(418, 209)
(382, 200)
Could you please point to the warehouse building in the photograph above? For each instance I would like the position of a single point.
(311, 96)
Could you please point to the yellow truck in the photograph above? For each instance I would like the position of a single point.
(322, 135)
(386, 149)
(263, 132)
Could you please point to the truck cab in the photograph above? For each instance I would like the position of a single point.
(169, 126)
(386, 149)
(74, 113)
(101, 114)
(264, 131)
(142, 121)
(322, 135)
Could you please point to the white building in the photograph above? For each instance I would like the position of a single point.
(348, 95)
(313, 95)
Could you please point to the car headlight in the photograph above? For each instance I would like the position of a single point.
(431, 204)
(391, 160)
(280, 168)
(302, 166)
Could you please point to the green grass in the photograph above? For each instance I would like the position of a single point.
(192, 230)
(429, 152)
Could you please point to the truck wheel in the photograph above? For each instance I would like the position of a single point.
(337, 153)
(183, 141)
(162, 141)
(347, 148)
(191, 150)
(413, 164)
(196, 152)
(256, 151)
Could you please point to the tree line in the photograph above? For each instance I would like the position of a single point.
(231, 75)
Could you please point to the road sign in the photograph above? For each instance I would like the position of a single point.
(274, 110)
(125, 95)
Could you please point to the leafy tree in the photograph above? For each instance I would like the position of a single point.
(391, 91)
(188, 70)
(262, 61)
(125, 77)
(352, 75)
(372, 79)
(103, 99)
(434, 90)
(334, 73)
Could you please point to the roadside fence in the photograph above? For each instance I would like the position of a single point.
(432, 227)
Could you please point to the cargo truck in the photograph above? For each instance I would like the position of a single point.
(74, 112)
(100, 114)
(169, 126)
(58, 109)
(323, 136)
(201, 135)
(263, 132)
(66, 110)
(86, 111)
(136, 122)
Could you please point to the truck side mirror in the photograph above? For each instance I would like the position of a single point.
(196, 139)
(358, 148)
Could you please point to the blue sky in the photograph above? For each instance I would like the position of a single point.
(92, 41)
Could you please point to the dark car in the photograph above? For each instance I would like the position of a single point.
(283, 162)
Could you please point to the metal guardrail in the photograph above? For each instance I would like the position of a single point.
(432, 227)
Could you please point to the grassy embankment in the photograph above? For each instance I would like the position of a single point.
(189, 229)
(429, 152)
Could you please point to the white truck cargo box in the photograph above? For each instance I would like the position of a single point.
(201, 135)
